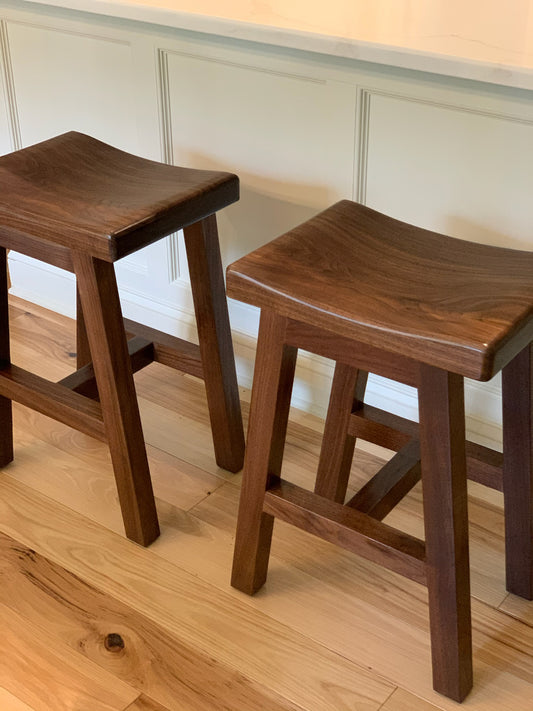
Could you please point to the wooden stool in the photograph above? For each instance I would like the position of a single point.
(377, 295)
(80, 204)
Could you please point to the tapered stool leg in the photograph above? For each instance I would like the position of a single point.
(517, 389)
(336, 453)
(269, 413)
(83, 350)
(6, 417)
(101, 308)
(216, 348)
(442, 449)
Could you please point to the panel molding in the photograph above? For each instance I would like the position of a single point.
(165, 107)
(362, 145)
(67, 29)
(365, 95)
(444, 104)
(9, 85)
(167, 154)
(245, 65)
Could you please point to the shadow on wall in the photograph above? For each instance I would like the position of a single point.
(267, 207)
(257, 219)
(463, 228)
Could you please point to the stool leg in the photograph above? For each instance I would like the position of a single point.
(83, 350)
(105, 329)
(517, 389)
(269, 413)
(6, 417)
(336, 454)
(216, 348)
(442, 447)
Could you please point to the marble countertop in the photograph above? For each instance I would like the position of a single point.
(483, 40)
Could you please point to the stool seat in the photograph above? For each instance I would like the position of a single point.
(363, 275)
(84, 194)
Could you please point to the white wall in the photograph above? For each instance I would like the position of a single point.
(301, 130)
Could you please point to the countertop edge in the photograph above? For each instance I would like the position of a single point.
(405, 58)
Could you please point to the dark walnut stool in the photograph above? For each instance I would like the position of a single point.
(81, 205)
(377, 295)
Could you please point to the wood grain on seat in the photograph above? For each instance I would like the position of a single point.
(81, 193)
(366, 276)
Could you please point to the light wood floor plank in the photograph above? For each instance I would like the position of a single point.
(143, 703)
(8, 702)
(39, 670)
(487, 550)
(209, 620)
(44, 346)
(519, 608)
(364, 612)
(402, 700)
(384, 612)
(37, 438)
(27, 307)
(14, 311)
(121, 641)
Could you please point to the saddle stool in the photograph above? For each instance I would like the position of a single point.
(378, 295)
(81, 205)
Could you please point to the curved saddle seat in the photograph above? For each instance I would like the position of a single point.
(76, 191)
(457, 305)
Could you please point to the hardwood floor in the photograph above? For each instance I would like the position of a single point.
(92, 622)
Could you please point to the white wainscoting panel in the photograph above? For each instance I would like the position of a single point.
(289, 137)
(74, 78)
